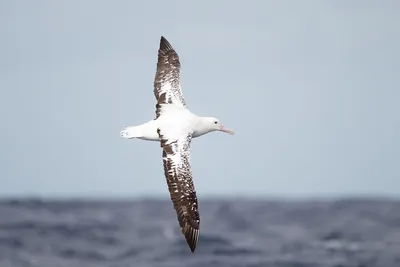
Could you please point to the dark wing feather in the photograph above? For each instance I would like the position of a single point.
(167, 86)
(177, 170)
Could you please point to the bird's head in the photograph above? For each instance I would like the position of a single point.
(213, 124)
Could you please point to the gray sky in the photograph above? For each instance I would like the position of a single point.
(310, 87)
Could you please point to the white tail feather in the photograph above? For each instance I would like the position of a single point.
(145, 131)
(131, 132)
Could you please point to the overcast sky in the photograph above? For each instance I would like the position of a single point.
(312, 89)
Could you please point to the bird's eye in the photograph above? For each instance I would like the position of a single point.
(215, 122)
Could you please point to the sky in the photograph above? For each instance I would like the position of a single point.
(311, 88)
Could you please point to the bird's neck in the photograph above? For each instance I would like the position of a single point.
(201, 128)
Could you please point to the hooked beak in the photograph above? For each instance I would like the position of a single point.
(227, 130)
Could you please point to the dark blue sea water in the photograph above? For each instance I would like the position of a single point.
(359, 233)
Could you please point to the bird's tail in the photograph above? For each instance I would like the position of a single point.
(130, 132)
(146, 131)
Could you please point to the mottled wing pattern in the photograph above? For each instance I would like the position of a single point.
(176, 159)
(167, 87)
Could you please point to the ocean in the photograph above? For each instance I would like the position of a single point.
(233, 232)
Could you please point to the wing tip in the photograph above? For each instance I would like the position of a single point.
(165, 46)
(192, 237)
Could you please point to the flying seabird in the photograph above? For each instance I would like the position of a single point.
(174, 126)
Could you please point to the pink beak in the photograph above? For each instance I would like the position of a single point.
(227, 130)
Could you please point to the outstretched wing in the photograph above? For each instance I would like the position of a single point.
(167, 86)
(176, 159)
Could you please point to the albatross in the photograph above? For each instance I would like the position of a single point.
(174, 126)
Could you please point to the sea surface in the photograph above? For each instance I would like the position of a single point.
(234, 232)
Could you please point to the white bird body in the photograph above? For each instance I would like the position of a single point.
(174, 127)
(175, 119)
